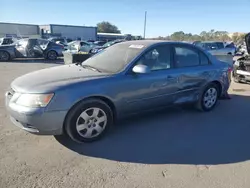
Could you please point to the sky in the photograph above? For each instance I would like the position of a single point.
(163, 16)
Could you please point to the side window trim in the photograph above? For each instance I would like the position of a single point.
(205, 55)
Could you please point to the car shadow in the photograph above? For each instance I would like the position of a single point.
(177, 136)
(37, 60)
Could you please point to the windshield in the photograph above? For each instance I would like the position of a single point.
(113, 59)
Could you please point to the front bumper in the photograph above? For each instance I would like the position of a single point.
(240, 74)
(36, 120)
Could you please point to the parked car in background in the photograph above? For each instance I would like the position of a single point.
(241, 67)
(242, 49)
(31, 48)
(77, 46)
(106, 45)
(59, 40)
(216, 48)
(69, 40)
(100, 43)
(84, 100)
(7, 40)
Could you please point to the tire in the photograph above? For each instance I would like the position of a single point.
(211, 92)
(83, 114)
(51, 55)
(4, 56)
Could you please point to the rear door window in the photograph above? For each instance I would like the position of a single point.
(186, 57)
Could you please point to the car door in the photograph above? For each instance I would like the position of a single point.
(151, 90)
(21, 48)
(193, 69)
(73, 47)
(84, 47)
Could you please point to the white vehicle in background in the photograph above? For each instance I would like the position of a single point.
(243, 49)
(217, 48)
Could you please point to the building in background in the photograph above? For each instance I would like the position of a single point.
(46, 31)
(18, 30)
(114, 36)
(109, 36)
(72, 32)
(69, 31)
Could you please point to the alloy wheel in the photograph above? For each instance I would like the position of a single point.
(91, 122)
(210, 98)
(4, 56)
(52, 55)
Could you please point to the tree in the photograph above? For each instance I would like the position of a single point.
(178, 36)
(238, 37)
(106, 27)
(211, 35)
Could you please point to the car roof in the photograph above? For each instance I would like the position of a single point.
(212, 42)
(147, 43)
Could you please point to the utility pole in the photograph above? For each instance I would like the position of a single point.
(145, 24)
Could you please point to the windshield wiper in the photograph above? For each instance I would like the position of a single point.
(90, 67)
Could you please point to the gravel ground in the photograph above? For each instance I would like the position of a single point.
(179, 148)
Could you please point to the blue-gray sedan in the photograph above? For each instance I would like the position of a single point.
(83, 100)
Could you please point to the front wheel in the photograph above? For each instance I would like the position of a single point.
(209, 98)
(88, 121)
(4, 56)
(52, 55)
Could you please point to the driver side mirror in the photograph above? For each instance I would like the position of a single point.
(141, 69)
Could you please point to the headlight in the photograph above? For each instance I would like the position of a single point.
(34, 100)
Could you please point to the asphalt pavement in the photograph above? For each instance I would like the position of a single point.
(173, 148)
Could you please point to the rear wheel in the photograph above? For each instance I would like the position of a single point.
(4, 56)
(52, 55)
(209, 98)
(88, 121)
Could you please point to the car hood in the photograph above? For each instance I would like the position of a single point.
(52, 79)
